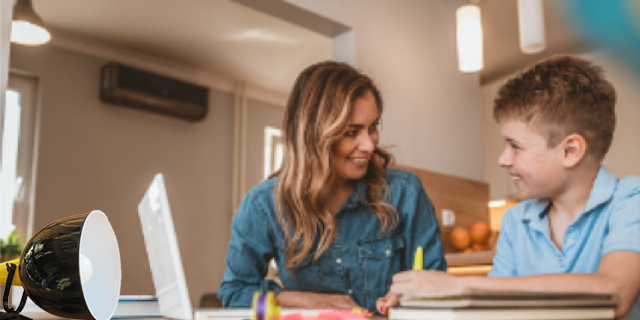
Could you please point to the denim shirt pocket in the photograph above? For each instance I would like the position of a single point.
(379, 260)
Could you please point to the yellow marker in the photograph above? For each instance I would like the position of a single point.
(417, 259)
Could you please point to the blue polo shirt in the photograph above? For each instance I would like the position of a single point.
(360, 262)
(610, 222)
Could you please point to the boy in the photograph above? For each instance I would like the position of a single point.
(580, 230)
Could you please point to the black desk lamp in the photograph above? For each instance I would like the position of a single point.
(70, 268)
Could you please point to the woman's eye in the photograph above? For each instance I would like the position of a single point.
(374, 127)
(351, 133)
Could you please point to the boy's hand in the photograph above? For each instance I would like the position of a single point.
(390, 300)
(426, 281)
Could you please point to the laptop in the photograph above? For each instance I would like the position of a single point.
(162, 250)
(165, 262)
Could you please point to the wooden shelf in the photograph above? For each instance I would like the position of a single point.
(470, 258)
(469, 264)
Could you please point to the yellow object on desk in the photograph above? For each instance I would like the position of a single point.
(418, 259)
(264, 307)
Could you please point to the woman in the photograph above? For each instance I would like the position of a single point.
(338, 223)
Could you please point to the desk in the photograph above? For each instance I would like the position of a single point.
(244, 313)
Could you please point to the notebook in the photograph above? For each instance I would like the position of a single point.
(507, 299)
(504, 305)
(596, 313)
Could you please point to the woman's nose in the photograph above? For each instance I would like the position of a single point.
(367, 143)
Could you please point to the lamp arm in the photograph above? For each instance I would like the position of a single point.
(4, 273)
(12, 314)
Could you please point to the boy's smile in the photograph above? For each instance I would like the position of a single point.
(536, 170)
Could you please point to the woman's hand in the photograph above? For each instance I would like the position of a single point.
(314, 300)
(428, 281)
(390, 300)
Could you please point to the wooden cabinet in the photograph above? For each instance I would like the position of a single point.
(468, 199)
(469, 264)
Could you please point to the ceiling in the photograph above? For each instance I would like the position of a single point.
(219, 36)
(242, 42)
(502, 53)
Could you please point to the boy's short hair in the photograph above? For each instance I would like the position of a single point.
(562, 96)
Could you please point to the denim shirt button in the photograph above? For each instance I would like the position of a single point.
(350, 291)
(388, 252)
(339, 260)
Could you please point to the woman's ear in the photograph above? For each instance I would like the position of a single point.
(575, 148)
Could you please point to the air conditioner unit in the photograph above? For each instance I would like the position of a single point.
(123, 85)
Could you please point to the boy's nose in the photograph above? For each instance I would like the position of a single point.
(505, 158)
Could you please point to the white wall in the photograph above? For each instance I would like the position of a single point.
(94, 155)
(433, 111)
(259, 116)
(624, 155)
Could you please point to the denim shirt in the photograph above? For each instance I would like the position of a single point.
(609, 222)
(360, 262)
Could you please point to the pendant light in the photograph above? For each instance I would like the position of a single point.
(469, 38)
(26, 26)
(531, 26)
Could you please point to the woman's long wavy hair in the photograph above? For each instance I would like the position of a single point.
(317, 116)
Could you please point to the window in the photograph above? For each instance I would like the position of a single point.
(17, 160)
(8, 180)
(273, 150)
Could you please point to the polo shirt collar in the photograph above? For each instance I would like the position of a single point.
(536, 216)
(601, 192)
(603, 188)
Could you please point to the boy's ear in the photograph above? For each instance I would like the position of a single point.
(575, 148)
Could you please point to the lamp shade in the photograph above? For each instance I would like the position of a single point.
(531, 26)
(71, 268)
(469, 38)
(26, 26)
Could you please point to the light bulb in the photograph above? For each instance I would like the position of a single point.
(86, 269)
(24, 32)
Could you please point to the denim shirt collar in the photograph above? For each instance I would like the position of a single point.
(601, 192)
(357, 196)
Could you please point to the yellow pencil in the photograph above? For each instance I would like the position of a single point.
(417, 259)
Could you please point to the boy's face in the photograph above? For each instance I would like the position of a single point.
(536, 170)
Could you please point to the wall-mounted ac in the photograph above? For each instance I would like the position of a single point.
(123, 85)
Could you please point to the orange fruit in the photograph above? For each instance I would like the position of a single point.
(460, 238)
(480, 232)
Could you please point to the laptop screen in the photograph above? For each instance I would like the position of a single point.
(163, 252)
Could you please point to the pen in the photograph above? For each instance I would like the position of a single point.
(417, 259)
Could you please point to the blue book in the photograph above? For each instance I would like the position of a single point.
(137, 306)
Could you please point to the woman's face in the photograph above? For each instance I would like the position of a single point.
(350, 156)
